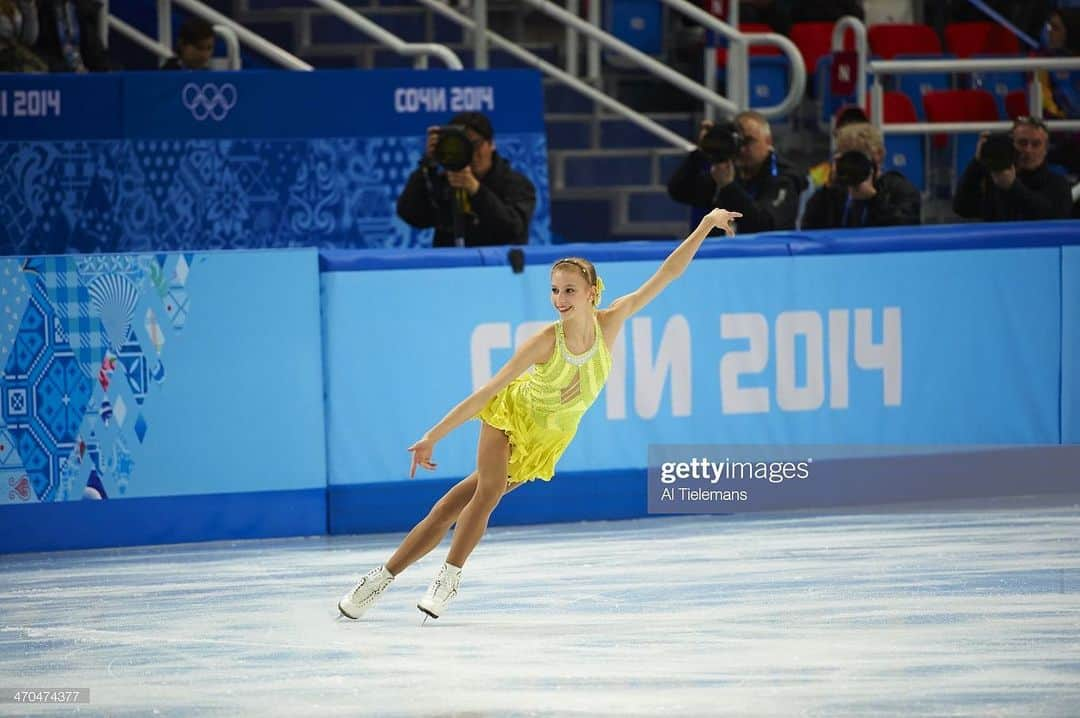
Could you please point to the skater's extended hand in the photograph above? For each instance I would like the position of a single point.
(421, 455)
(722, 219)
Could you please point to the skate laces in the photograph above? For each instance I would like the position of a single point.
(445, 585)
(369, 578)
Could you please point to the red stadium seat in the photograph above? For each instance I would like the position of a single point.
(965, 39)
(897, 107)
(889, 40)
(814, 40)
(1016, 104)
(959, 106)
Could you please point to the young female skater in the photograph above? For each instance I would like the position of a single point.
(529, 417)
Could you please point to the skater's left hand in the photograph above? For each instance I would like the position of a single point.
(421, 455)
(722, 219)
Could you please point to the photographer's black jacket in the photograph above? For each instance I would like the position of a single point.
(767, 201)
(1038, 194)
(500, 210)
(897, 202)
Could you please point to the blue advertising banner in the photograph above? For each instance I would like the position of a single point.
(131, 377)
(253, 159)
(1070, 345)
(60, 107)
(855, 349)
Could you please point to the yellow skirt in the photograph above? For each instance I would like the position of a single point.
(534, 448)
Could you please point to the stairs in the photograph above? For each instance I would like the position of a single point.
(608, 177)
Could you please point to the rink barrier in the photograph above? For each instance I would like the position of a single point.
(985, 333)
(207, 422)
(276, 346)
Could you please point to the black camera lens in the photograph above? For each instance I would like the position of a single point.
(853, 168)
(721, 142)
(453, 149)
(998, 152)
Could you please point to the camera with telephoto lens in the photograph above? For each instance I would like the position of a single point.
(997, 153)
(853, 168)
(721, 142)
(453, 148)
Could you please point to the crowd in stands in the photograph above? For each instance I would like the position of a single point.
(65, 36)
(1026, 174)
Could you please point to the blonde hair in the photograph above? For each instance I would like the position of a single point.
(861, 136)
(588, 271)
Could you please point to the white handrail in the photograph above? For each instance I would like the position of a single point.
(862, 50)
(956, 128)
(738, 62)
(655, 66)
(595, 95)
(139, 38)
(419, 50)
(983, 64)
(480, 47)
(232, 45)
(255, 42)
(878, 68)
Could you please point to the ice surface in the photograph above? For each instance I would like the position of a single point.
(970, 611)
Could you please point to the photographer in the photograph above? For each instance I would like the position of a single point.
(735, 167)
(465, 190)
(858, 193)
(1009, 180)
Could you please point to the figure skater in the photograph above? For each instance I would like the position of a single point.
(528, 417)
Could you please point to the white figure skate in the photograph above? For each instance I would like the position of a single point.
(354, 603)
(441, 591)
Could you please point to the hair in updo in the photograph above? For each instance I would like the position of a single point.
(582, 265)
(587, 270)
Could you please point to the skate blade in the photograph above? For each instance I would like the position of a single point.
(342, 614)
(425, 611)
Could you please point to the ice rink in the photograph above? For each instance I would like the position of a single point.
(948, 610)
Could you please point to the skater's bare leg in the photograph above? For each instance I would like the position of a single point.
(427, 534)
(492, 456)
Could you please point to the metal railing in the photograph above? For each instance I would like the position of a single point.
(421, 51)
(561, 75)
(255, 42)
(418, 50)
(575, 26)
(738, 59)
(111, 22)
(646, 62)
(879, 68)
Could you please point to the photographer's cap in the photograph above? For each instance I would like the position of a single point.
(476, 122)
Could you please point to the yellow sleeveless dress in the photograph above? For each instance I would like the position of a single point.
(540, 410)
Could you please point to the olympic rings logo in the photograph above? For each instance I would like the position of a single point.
(209, 100)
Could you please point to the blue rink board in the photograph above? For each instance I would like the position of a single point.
(1070, 345)
(984, 353)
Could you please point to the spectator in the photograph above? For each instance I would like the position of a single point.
(484, 203)
(194, 46)
(1023, 190)
(858, 193)
(847, 115)
(69, 40)
(18, 33)
(1060, 93)
(757, 183)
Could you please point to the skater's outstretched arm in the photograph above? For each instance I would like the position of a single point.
(676, 263)
(536, 350)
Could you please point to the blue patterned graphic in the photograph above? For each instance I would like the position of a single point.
(80, 367)
(195, 194)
